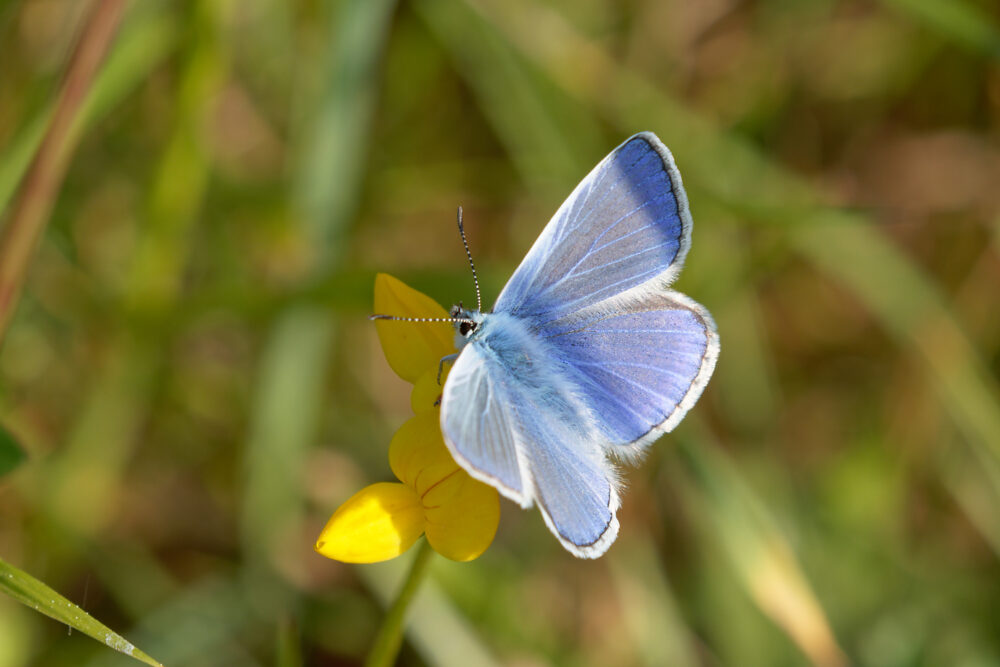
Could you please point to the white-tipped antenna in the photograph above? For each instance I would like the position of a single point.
(395, 318)
(475, 278)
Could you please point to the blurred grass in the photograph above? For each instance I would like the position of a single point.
(11, 454)
(92, 463)
(146, 39)
(288, 405)
(963, 22)
(196, 387)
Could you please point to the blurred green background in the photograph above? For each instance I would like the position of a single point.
(194, 379)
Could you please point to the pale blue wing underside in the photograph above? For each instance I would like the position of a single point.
(639, 362)
(504, 429)
(625, 224)
(574, 488)
(481, 432)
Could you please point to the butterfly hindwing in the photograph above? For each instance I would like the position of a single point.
(574, 487)
(626, 223)
(640, 361)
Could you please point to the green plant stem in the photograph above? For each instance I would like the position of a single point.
(390, 635)
(30, 211)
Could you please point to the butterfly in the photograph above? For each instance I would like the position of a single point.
(587, 356)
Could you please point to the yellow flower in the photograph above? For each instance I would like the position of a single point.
(434, 496)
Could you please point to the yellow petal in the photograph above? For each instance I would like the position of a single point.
(410, 347)
(462, 516)
(427, 390)
(417, 453)
(377, 523)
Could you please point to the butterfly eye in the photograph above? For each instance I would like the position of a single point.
(465, 328)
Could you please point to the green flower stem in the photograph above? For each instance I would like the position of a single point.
(390, 635)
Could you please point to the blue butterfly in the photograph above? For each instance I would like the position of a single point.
(587, 356)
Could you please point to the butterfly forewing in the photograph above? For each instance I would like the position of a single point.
(478, 426)
(625, 224)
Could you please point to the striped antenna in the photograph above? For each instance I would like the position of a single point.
(395, 318)
(475, 278)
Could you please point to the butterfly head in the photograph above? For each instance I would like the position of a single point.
(466, 322)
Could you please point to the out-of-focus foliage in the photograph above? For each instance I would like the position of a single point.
(11, 454)
(193, 376)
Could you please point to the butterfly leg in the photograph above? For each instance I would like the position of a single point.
(450, 359)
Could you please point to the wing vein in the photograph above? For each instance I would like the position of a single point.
(588, 253)
(593, 206)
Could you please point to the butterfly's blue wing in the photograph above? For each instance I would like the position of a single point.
(480, 427)
(511, 425)
(575, 489)
(638, 362)
(587, 351)
(625, 224)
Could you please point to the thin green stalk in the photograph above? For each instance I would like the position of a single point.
(289, 644)
(30, 212)
(390, 635)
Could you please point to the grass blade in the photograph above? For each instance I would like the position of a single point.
(28, 216)
(331, 162)
(30, 591)
(547, 141)
(289, 645)
(757, 551)
(912, 308)
(954, 19)
(652, 614)
(148, 35)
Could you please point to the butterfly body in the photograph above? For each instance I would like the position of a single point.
(587, 355)
(508, 343)
(526, 377)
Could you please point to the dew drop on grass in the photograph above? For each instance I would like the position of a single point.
(118, 643)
